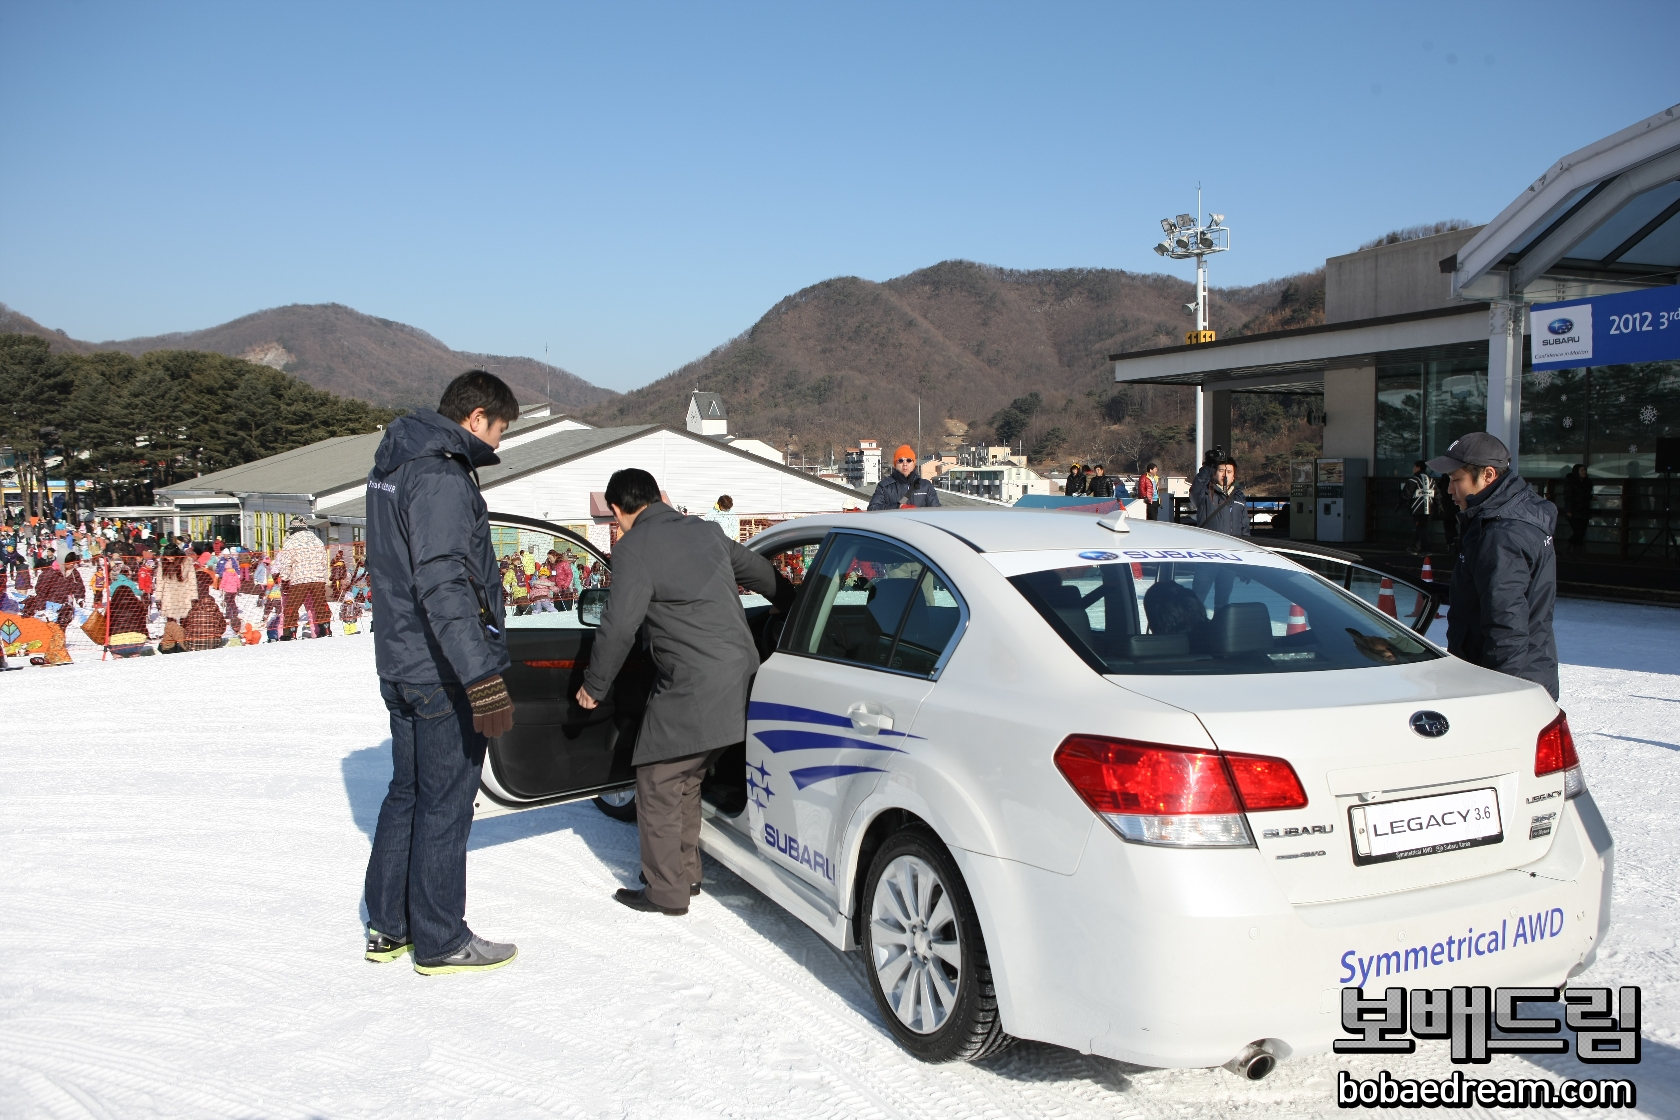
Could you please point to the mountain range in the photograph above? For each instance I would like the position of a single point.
(337, 348)
(971, 344)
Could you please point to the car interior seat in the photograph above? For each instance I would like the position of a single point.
(1239, 628)
(1065, 600)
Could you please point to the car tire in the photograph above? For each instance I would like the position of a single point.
(925, 955)
(620, 804)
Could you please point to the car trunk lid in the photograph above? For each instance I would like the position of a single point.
(1350, 738)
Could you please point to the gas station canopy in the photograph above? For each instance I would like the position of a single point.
(1603, 219)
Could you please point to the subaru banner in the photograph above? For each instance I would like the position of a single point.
(1607, 330)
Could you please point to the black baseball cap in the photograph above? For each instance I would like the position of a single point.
(1477, 448)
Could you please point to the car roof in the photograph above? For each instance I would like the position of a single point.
(1026, 530)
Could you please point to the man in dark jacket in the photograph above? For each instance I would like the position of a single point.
(1577, 505)
(1218, 499)
(905, 485)
(1418, 492)
(1101, 486)
(677, 575)
(1505, 582)
(1075, 483)
(1447, 510)
(440, 653)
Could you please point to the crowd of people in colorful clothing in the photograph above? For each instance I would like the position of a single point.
(540, 584)
(133, 592)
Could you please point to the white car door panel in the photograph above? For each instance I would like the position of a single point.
(835, 705)
(809, 765)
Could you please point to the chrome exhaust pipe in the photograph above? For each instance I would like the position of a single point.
(1253, 1062)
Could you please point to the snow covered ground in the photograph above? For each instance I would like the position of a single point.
(183, 847)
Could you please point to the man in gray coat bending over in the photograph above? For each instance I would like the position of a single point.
(677, 575)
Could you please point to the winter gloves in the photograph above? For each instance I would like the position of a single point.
(491, 705)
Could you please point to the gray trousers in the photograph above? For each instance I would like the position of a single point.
(668, 822)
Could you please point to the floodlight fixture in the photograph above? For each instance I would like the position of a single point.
(1189, 237)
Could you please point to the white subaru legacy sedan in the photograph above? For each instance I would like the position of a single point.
(1123, 786)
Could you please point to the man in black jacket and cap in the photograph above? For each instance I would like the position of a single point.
(1504, 585)
(440, 653)
(677, 576)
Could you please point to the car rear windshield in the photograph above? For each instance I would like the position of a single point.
(1170, 616)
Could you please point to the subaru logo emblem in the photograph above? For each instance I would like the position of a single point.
(1431, 725)
(1561, 326)
(1098, 556)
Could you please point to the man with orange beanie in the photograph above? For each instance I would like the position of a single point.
(904, 486)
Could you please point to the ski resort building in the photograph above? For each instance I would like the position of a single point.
(1425, 340)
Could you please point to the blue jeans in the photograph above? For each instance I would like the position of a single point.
(417, 873)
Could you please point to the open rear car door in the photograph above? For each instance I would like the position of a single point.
(1409, 601)
(557, 751)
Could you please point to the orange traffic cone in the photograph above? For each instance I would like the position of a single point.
(1385, 598)
(1137, 570)
(1297, 620)
(1428, 571)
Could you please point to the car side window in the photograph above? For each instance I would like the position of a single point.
(933, 618)
(873, 603)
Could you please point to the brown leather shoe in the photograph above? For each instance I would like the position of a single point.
(638, 900)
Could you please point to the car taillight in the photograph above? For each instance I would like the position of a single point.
(1151, 793)
(1266, 783)
(1554, 751)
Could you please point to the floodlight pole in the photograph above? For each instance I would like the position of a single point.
(1185, 240)
(1201, 325)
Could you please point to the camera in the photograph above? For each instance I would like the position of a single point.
(1214, 455)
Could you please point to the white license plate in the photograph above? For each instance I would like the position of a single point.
(1423, 826)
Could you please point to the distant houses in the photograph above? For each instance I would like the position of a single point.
(553, 468)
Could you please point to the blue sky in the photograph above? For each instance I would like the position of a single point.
(634, 184)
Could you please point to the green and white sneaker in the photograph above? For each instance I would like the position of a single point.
(477, 955)
(382, 949)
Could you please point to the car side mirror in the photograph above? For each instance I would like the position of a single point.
(591, 605)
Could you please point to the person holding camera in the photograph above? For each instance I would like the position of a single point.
(1219, 500)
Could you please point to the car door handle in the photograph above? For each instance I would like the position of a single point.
(865, 715)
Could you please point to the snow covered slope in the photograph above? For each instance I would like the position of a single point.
(184, 842)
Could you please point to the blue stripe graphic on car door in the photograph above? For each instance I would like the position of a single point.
(810, 775)
(792, 739)
(792, 713)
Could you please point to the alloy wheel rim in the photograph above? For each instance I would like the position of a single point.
(915, 944)
(619, 798)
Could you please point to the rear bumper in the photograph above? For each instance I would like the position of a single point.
(1180, 958)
